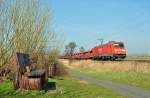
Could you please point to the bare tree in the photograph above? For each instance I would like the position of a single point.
(26, 26)
(6, 44)
(30, 26)
(70, 47)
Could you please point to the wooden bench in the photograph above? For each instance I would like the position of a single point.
(26, 77)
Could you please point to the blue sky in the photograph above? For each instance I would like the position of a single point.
(84, 21)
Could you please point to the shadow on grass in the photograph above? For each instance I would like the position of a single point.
(50, 86)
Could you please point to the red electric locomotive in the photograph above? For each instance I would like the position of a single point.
(110, 51)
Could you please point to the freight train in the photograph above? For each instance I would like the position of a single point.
(109, 51)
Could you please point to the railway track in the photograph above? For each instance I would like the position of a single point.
(130, 61)
(116, 60)
(142, 61)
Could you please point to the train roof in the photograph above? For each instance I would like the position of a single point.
(107, 43)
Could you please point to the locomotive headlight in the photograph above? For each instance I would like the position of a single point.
(123, 50)
(116, 50)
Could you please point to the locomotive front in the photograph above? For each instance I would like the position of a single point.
(119, 51)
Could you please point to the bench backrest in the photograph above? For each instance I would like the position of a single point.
(23, 60)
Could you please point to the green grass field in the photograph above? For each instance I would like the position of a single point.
(67, 87)
(135, 79)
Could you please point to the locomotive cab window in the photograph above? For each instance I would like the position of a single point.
(119, 45)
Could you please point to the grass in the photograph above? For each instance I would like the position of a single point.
(138, 58)
(135, 79)
(67, 87)
(135, 74)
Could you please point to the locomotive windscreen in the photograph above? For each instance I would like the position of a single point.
(120, 45)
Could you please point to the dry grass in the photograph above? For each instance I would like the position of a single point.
(109, 66)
